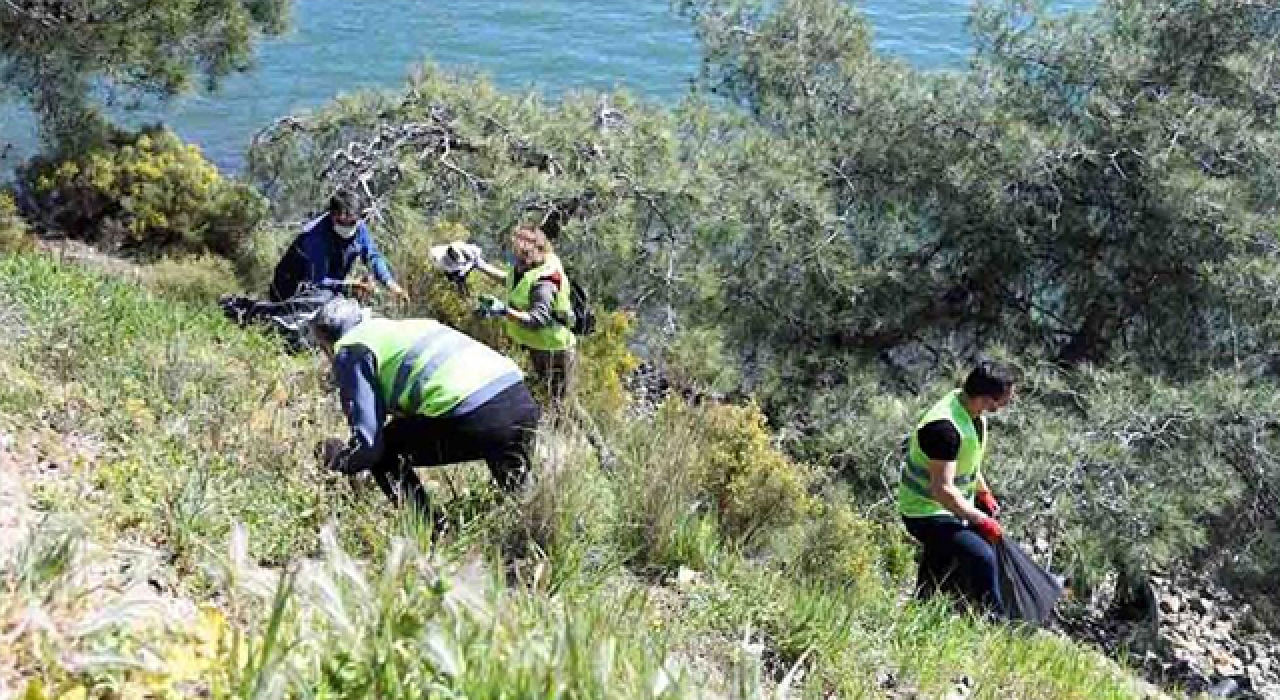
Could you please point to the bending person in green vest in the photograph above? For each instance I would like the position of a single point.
(450, 399)
(537, 313)
(944, 499)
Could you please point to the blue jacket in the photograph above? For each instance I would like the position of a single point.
(323, 259)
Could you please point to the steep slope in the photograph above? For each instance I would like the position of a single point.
(185, 442)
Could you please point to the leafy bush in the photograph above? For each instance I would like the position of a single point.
(13, 230)
(756, 486)
(604, 360)
(663, 499)
(143, 190)
(731, 466)
(700, 358)
(197, 280)
(842, 547)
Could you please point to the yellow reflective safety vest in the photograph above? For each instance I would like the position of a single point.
(914, 500)
(556, 336)
(425, 367)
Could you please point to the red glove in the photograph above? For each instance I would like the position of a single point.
(989, 529)
(987, 503)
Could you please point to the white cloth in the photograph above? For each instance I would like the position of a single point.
(457, 258)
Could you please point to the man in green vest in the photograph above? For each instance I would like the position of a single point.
(944, 499)
(450, 399)
(538, 312)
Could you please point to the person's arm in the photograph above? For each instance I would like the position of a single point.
(943, 489)
(377, 262)
(354, 371)
(984, 499)
(494, 273)
(539, 313)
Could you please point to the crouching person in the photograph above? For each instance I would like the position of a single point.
(418, 393)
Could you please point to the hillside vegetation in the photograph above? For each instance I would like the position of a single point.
(816, 242)
(189, 543)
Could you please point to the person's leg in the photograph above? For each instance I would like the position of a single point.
(511, 460)
(978, 572)
(560, 376)
(540, 364)
(936, 571)
(394, 475)
(418, 441)
(501, 432)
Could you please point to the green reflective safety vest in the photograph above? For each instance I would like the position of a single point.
(556, 336)
(913, 493)
(425, 367)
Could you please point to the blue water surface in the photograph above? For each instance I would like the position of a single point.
(550, 45)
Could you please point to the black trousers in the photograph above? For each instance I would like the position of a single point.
(956, 559)
(501, 431)
(553, 370)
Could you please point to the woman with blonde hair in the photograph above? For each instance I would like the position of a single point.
(538, 311)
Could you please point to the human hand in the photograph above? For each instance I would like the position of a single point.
(491, 306)
(987, 503)
(328, 450)
(398, 293)
(989, 529)
(361, 289)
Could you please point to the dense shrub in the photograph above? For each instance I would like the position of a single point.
(144, 190)
(718, 460)
(756, 486)
(13, 230)
(840, 546)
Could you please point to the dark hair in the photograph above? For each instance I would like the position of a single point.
(344, 203)
(990, 379)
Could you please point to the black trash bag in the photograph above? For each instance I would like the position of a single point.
(1029, 593)
(289, 318)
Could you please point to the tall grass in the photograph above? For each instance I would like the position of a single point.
(656, 578)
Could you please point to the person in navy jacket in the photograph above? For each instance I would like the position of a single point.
(322, 256)
(315, 267)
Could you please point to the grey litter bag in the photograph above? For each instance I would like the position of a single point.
(1029, 592)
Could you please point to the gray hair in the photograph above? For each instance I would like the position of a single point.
(335, 319)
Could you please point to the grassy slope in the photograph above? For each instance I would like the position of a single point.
(203, 426)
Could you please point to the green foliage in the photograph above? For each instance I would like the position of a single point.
(144, 190)
(846, 549)
(756, 488)
(1063, 195)
(13, 230)
(203, 425)
(604, 360)
(1131, 473)
(700, 358)
(1094, 197)
(665, 502)
(259, 253)
(61, 57)
(210, 415)
(195, 280)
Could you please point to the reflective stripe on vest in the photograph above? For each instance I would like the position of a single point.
(914, 497)
(427, 368)
(555, 336)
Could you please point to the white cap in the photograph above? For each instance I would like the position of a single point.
(455, 258)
